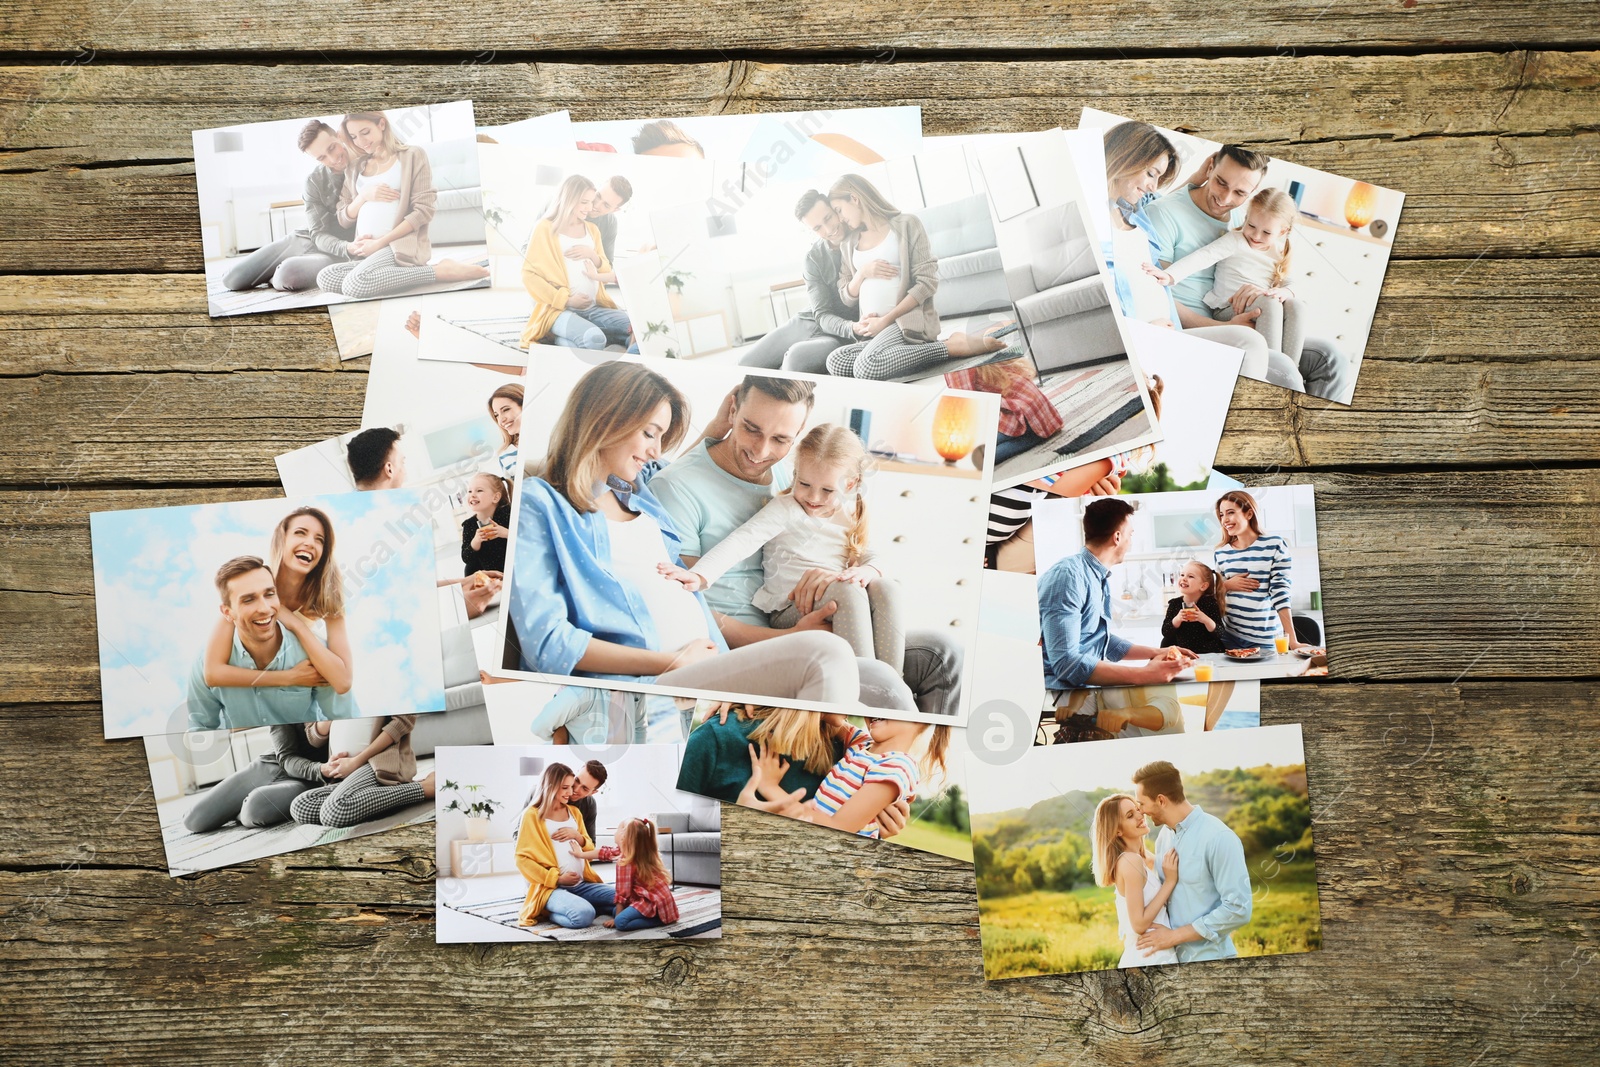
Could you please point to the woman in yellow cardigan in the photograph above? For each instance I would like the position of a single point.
(553, 853)
(566, 272)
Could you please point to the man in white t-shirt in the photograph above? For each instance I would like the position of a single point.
(729, 476)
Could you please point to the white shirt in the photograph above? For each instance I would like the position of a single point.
(792, 543)
(878, 296)
(577, 281)
(636, 548)
(1132, 247)
(378, 217)
(570, 864)
(1237, 264)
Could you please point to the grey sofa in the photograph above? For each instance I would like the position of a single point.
(458, 211)
(971, 276)
(693, 850)
(1060, 297)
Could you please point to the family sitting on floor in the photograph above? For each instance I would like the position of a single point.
(569, 266)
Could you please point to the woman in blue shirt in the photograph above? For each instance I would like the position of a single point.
(587, 598)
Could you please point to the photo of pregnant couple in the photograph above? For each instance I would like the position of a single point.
(767, 556)
(351, 207)
(1069, 880)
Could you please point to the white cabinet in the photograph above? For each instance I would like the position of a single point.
(928, 533)
(1337, 276)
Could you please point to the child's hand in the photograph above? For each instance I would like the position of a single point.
(1157, 273)
(767, 764)
(689, 579)
(575, 848)
(862, 576)
(608, 921)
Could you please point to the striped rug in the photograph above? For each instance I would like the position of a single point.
(699, 913)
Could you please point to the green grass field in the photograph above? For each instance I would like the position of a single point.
(938, 838)
(1047, 932)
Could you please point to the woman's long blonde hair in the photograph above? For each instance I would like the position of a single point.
(800, 735)
(838, 446)
(609, 402)
(1132, 146)
(567, 196)
(391, 142)
(1247, 504)
(1108, 846)
(637, 840)
(863, 192)
(323, 593)
(513, 393)
(1281, 206)
(549, 782)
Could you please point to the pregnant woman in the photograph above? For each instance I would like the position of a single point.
(1255, 574)
(311, 607)
(587, 598)
(551, 843)
(1122, 860)
(566, 273)
(889, 271)
(389, 198)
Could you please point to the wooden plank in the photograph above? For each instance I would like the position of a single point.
(366, 26)
(1425, 576)
(1448, 841)
(1471, 189)
(77, 114)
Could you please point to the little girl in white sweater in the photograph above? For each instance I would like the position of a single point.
(1256, 254)
(812, 526)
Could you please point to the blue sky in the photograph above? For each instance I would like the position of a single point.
(156, 604)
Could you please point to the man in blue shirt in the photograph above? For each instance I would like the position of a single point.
(1191, 217)
(733, 473)
(1075, 611)
(1213, 897)
(260, 642)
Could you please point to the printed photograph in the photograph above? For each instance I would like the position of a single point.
(884, 779)
(539, 713)
(1280, 261)
(702, 532)
(1145, 852)
(266, 612)
(225, 797)
(760, 144)
(553, 843)
(332, 208)
(1194, 586)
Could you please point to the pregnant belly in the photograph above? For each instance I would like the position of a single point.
(376, 219)
(879, 296)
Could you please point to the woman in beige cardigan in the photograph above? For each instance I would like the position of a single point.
(373, 782)
(889, 271)
(388, 197)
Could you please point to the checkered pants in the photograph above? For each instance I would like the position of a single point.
(357, 799)
(377, 275)
(888, 355)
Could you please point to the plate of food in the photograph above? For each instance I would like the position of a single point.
(1242, 653)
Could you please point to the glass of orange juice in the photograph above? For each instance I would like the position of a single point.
(1202, 672)
(1281, 643)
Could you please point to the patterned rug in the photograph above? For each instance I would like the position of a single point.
(1100, 405)
(223, 301)
(699, 912)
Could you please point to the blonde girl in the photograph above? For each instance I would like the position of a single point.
(389, 199)
(1252, 265)
(1122, 860)
(484, 532)
(566, 272)
(643, 888)
(819, 522)
(877, 770)
(311, 608)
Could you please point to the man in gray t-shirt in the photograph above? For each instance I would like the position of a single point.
(729, 476)
(291, 263)
(803, 343)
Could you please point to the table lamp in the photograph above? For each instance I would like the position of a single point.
(955, 430)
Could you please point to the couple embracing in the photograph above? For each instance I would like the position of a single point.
(1183, 901)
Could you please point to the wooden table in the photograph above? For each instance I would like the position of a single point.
(1453, 784)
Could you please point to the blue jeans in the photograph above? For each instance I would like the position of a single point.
(630, 919)
(594, 327)
(1007, 447)
(575, 906)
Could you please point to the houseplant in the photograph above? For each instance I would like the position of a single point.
(478, 810)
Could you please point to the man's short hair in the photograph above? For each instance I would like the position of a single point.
(1160, 778)
(311, 131)
(808, 200)
(623, 187)
(233, 568)
(788, 390)
(1247, 158)
(368, 451)
(597, 771)
(1104, 517)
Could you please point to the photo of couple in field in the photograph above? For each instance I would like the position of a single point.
(1142, 852)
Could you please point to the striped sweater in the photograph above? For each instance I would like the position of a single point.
(1253, 616)
(860, 766)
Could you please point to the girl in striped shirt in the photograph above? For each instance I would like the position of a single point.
(1255, 570)
(876, 770)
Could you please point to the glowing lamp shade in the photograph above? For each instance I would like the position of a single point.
(1360, 205)
(955, 427)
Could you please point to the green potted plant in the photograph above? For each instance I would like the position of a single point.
(659, 329)
(478, 810)
(675, 280)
